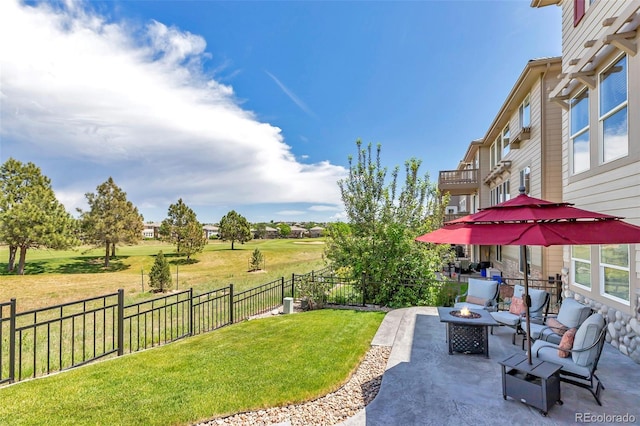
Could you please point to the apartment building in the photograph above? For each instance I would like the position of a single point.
(521, 148)
(599, 95)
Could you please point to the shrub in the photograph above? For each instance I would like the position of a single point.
(256, 261)
(160, 275)
(312, 291)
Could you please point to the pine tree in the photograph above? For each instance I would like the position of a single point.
(257, 259)
(111, 220)
(234, 227)
(160, 275)
(30, 214)
(182, 228)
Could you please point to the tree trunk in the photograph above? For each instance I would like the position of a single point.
(23, 259)
(113, 250)
(232, 241)
(106, 254)
(12, 258)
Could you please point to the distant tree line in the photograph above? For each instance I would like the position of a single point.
(32, 217)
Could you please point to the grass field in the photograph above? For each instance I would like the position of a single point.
(53, 277)
(252, 365)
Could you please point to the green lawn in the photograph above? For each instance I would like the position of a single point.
(53, 277)
(256, 364)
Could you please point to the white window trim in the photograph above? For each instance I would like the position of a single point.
(503, 139)
(601, 267)
(573, 271)
(611, 112)
(527, 101)
(580, 132)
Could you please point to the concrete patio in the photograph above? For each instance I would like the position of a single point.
(424, 385)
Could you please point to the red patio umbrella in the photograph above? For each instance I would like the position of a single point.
(524, 221)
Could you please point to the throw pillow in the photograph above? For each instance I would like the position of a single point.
(476, 300)
(556, 326)
(517, 306)
(566, 343)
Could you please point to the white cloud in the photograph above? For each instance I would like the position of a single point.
(89, 98)
(325, 208)
(290, 213)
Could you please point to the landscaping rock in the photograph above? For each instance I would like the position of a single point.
(330, 409)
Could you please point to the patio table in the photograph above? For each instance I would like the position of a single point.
(467, 335)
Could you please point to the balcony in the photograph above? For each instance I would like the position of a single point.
(458, 182)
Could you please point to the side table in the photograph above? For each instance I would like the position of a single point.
(536, 384)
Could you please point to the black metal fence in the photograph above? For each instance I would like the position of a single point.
(41, 341)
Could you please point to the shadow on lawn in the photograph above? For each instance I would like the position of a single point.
(76, 265)
(92, 265)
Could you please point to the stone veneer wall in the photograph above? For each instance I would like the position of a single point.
(623, 331)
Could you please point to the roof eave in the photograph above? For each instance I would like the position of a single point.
(543, 3)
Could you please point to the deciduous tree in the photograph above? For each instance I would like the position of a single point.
(284, 230)
(181, 228)
(235, 228)
(111, 218)
(30, 214)
(383, 221)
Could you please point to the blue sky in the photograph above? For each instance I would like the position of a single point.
(253, 106)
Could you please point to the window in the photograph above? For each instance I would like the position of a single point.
(525, 113)
(500, 193)
(525, 179)
(505, 142)
(614, 270)
(613, 111)
(580, 156)
(492, 156)
(581, 265)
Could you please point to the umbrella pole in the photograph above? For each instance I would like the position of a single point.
(527, 302)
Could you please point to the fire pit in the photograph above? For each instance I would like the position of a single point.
(465, 313)
(467, 331)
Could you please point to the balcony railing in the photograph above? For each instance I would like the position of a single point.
(458, 182)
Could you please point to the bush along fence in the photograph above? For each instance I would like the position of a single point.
(41, 341)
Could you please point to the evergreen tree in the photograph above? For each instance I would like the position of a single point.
(234, 227)
(160, 275)
(257, 259)
(111, 219)
(30, 214)
(181, 228)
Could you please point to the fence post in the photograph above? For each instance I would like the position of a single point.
(191, 313)
(12, 341)
(293, 285)
(231, 304)
(282, 287)
(364, 281)
(120, 322)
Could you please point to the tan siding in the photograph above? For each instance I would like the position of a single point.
(589, 28)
